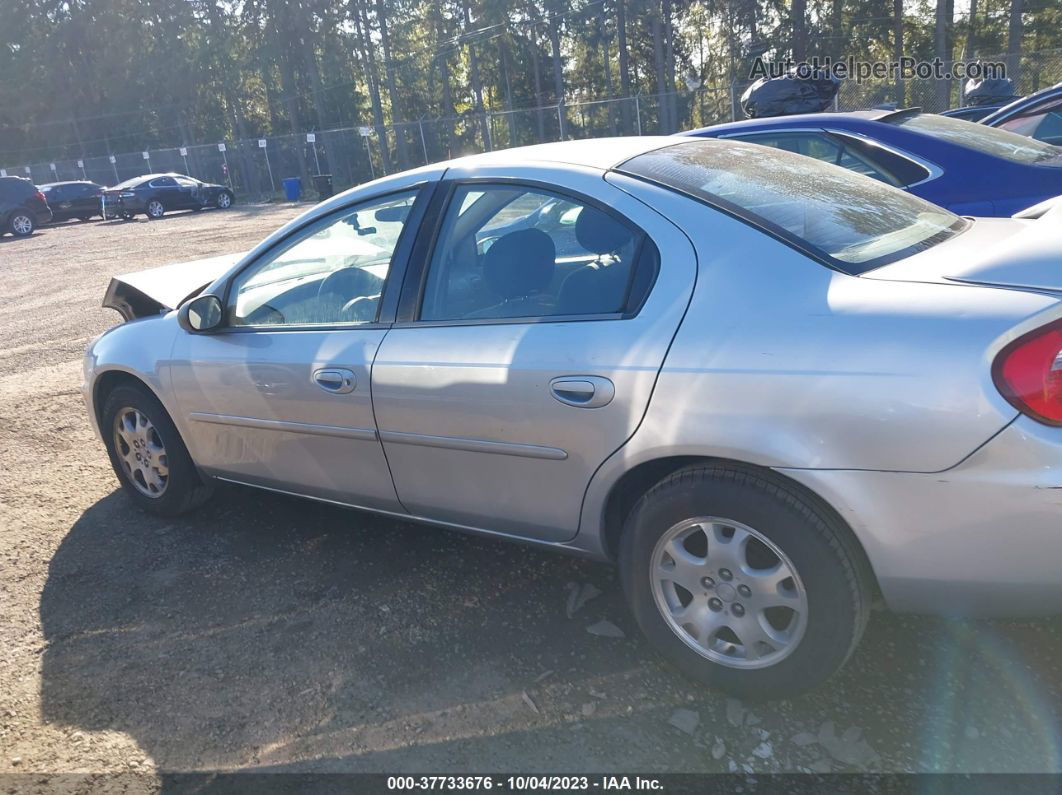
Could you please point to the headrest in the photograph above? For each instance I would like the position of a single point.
(599, 233)
(520, 263)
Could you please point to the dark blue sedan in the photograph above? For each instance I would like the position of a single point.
(969, 168)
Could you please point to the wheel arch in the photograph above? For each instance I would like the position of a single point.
(109, 380)
(633, 484)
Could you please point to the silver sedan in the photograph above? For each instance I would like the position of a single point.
(770, 389)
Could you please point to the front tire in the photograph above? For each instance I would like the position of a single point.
(22, 224)
(224, 200)
(155, 209)
(148, 455)
(743, 582)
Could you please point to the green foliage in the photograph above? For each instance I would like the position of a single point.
(84, 77)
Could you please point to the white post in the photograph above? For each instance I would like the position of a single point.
(225, 161)
(560, 121)
(147, 159)
(368, 154)
(263, 144)
(81, 165)
(423, 145)
(114, 165)
(184, 156)
(638, 113)
(311, 138)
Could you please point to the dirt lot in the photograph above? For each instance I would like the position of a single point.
(274, 634)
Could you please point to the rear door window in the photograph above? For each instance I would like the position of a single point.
(510, 251)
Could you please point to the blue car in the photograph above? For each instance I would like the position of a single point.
(969, 168)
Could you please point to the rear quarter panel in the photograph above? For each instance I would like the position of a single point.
(782, 362)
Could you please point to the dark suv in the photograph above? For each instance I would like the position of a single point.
(22, 207)
(77, 199)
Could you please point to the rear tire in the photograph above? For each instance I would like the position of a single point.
(165, 481)
(21, 224)
(155, 209)
(794, 585)
(224, 200)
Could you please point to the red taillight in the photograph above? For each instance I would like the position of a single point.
(1029, 373)
(42, 197)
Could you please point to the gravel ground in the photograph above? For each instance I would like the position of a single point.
(270, 633)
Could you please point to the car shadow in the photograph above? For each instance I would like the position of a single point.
(274, 634)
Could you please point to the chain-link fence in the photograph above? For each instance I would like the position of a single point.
(255, 168)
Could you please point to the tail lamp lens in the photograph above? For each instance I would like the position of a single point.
(1028, 373)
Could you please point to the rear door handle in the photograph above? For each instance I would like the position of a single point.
(583, 391)
(335, 380)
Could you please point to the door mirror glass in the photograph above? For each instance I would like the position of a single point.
(201, 314)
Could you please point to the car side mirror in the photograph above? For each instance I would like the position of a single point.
(201, 314)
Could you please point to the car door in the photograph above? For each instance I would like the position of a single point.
(526, 351)
(279, 397)
(189, 191)
(166, 190)
(87, 199)
(58, 197)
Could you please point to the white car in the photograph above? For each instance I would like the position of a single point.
(769, 388)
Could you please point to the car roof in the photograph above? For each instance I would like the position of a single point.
(68, 182)
(798, 119)
(1020, 104)
(599, 153)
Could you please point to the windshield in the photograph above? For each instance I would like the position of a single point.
(853, 222)
(990, 140)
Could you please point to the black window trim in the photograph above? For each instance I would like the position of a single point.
(788, 238)
(423, 191)
(416, 278)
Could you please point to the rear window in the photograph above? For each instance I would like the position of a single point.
(851, 222)
(990, 140)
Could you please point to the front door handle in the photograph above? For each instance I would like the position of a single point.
(335, 380)
(583, 391)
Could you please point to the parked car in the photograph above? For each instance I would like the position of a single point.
(22, 207)
(968, 168)
(77, 199)
(1038, 116)
(767, 387)
(154, 195)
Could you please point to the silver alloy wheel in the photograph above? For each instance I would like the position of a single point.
(224, 200)
(155, 208)
(728, 592)
(22, 224)
(141, 451)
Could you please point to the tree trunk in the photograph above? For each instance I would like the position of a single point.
(397, 114)
(447, 110)
(656, 29)
(372, 77)
(897, 50)
(606, 64)
(1015, 30)
(536, 67)
(558, 69)
(971, 32)
(669, 66)
(505, 59)
(800, 35)
(942, 52)
(624, 65)
(477, 86)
